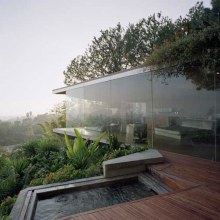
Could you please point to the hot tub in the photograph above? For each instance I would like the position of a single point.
(63, 199)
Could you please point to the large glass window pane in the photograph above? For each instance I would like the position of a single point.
(183, 116)
(96, 106)
(131, 108)
(217, 116)
(75, 107)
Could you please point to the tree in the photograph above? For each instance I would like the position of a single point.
(189, 44)
(103, 57)
(195, 54)
(77, 70)
(216, 7)
(146, 35)
(58, 121)
(118, 48)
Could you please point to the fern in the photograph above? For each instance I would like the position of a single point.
(81, 155)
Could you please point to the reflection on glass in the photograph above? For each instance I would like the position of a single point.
(169, 112)
(217, 114)
(96, 106)
(183, 117)
(131, 108)
(75, 107)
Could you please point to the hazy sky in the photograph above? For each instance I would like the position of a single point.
(38, 39)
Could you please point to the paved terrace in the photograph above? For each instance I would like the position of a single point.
(196, 185)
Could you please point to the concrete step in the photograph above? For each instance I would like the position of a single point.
(133, 163)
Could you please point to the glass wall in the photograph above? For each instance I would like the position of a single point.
(75, 108)
(173, 113)
(217, 114)
(131, 108)
(183, 117)
(96, 106)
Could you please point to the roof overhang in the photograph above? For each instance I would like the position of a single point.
(61, 91)
(113, 76)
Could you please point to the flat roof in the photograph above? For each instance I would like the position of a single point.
(117, 75)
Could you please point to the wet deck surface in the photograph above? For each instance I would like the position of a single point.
(196, 185)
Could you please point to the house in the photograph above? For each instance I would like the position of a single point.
(143, 106)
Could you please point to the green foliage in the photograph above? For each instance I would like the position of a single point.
(22, 130)
(188, 46)
(11, 181)
(58, 121)
(93, 170)
(7, 177)
(44, 145)
(6, 206)
(82, 153)
(5, 217)
(36, 181)
(33, 160)
(49, 144)
(47, 127)
(123, 151)
(49, 157)
(114, 143)
(68, 173)
(64, 174)
(118, 48)
(29, 149)
(49, 163)
(196, 53)
(20, 165)
(216, 7)
(194, 56)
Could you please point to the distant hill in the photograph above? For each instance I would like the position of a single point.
(11, 118)
(15, 130)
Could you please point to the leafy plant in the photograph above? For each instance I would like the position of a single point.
(123, 152)
(36, 182)
(82, 153)
(29, 149)
(58, 121)
(7, 177)
(6, 206)
(20, 165)
(43, 156)
(47, 127)
(67, 173)
(64, 174)
(114, 143)
(49, 144)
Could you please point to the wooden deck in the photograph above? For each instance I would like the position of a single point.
(196, 185)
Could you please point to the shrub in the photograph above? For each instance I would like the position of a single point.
(93, 170)
(20, 165)
(114, 143)
(43, 145)
(64, 174)
(6, 207)
(49, 157)
(36, 182)
(29, 149)
(82, 154)
(123, 152)
(68, 173)
(52, 163)
(7, 177)
(49, 144)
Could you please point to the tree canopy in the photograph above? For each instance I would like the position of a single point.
(189, 46)
(196, 54)
(120, 48)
